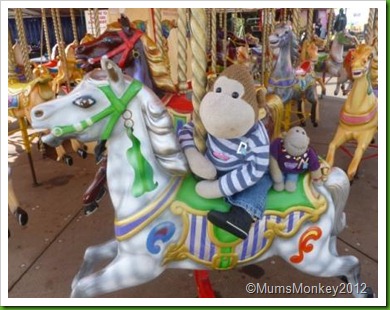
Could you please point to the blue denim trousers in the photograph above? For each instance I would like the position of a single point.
(253, 198)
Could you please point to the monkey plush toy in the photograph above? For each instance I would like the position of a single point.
(235, 164)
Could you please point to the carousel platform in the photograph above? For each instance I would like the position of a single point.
(44, 255)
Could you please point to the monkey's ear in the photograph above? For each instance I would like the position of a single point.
(261, 91)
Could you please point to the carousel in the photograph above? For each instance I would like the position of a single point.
(192, 153)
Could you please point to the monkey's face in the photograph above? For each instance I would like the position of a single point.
(224, 113)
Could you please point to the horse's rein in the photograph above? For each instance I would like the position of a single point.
(126, 47)
(116, 108)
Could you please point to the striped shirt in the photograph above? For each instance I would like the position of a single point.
(238, 167)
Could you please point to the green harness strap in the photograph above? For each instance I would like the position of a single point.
(143, 171)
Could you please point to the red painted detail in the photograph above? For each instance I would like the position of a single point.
(312, 233)
(203, 284)
(178, 102)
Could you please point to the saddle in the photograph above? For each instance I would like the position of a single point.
(212, 246)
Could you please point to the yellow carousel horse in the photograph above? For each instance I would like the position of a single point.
(75, 74)
(359, 114)
(309, 52)
(22, 97)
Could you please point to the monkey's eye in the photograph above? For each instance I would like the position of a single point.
(218, 90)
(235, 94)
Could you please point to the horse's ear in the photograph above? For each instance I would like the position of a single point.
(115, 75)
(125, 23)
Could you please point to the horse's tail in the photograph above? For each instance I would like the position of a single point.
(338, 186)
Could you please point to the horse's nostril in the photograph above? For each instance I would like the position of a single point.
(38, 113)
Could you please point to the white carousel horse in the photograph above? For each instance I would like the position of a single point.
(156, 225)
(334, 63)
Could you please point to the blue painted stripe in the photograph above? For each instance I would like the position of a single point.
(290, 222)
(267, 217)
(244, 248)
(192, 234)
(255, 238)
(212, 251)
(203, 238)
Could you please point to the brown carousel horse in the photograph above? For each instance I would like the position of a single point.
(359, 114)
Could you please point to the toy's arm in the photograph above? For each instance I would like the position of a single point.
(276, 174)
(199, 164)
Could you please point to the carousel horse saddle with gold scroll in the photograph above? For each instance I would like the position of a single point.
(212, 246)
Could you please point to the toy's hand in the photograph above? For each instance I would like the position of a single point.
(200, 165)
(316, 177)
(276, 173)
(208, 189)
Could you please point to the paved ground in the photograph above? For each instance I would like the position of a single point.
(44, 256)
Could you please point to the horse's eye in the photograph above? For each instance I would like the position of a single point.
(107, 40)
(218, 90)
(84, 102)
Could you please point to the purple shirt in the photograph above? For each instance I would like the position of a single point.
(293, 164)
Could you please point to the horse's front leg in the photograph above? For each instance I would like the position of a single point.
(340, 138)
(94, 255)
(127, 270)
(363, 141)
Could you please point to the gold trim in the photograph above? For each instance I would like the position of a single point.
(179, 251)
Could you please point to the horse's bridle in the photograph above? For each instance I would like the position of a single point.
(114, 111)
(126, 47)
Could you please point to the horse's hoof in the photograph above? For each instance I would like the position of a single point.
(21, 216)
(372, 141)
(336, 93)
(370, 293)
(90, 208)
(303, 123)
(68, 160)
(82, 153)
(344, 279)
(101, 194)
(315, 124)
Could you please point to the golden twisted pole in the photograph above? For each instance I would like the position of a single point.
(213, 41)
(264, 45)
(295, 28)
(23, 44)
(329, 30)
(158, 29)
(285, 15)
(225, 38)
(46, 32)
(60, 41)
(74, 27)
(182, 49)
(11, 58)
(309, 35)
(199, 66)
(96, 21)
(370, 26)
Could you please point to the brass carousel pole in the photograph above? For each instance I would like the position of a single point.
(182, 50)
(199, 67)
(46, 32)
(74, 27)
(309, 28)
(96, 22)
(29, 77)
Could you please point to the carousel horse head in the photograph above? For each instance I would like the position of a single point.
(361, 60)
(309, 52)
(281, 37)
(22, 97)
(117, 44)
(133, 51)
